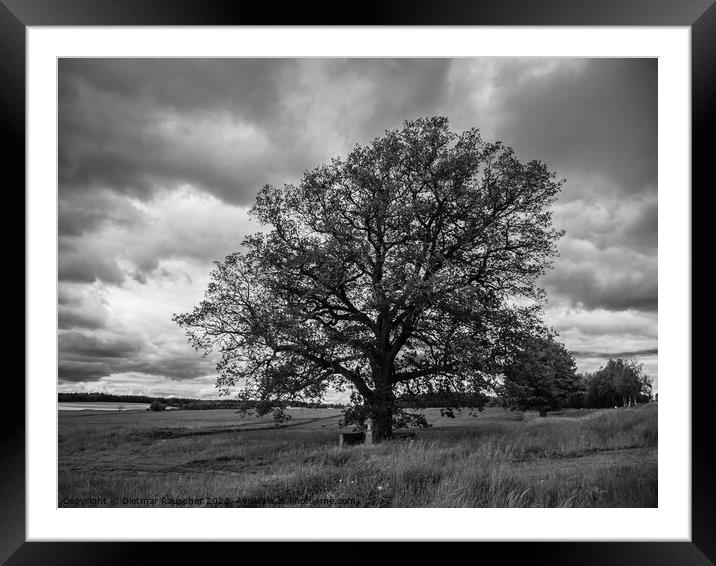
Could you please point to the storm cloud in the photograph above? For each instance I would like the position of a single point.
(160, 160)
(226, 126)
(598, 119)
(86, 357)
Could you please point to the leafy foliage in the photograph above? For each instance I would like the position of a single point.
(157, 406)
(541, 376)
(619, 383)
(396, 265)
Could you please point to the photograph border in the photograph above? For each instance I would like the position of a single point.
(700, 16)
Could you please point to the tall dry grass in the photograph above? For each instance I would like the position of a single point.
(604, 458)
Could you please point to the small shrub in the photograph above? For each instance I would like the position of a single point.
(157, 406)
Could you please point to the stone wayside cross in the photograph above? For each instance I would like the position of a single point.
(369, 432)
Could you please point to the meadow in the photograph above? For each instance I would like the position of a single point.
(500, 458)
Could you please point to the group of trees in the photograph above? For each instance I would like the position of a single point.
(619, 383)
(544, 379)
(405, 268)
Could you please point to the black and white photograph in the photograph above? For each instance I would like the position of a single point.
(357, 282)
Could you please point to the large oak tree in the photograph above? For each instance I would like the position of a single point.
(400, 265)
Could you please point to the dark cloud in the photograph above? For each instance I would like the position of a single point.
(615, 355)
(78, 345)
(77, 319)
(183, 85)
(184, 368)
(597, 118)
(130, 243)
(131, 125)
(86, 357)
(86, 212)
(79, 307)
(619, 222)
(88, 266)
(399, 90)
(608, 258)
(226, 126)
(85, 370)
(643, 229)
(593, 286)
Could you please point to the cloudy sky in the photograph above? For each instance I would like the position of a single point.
(159, 161)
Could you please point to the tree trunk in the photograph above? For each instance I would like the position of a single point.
(382, 418)
(382, 408)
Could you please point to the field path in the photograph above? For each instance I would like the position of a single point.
(623, 457)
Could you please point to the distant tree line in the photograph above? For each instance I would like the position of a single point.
(251, 404)
(540, 377)
(96, 397)
(442, 398)
(160, 403)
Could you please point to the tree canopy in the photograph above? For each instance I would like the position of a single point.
(541, 375)
(401, 265)
(620, 382)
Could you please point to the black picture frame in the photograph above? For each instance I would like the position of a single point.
(699, 15)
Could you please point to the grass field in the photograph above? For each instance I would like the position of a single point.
(501, 458)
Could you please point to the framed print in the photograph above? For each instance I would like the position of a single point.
(420, 275)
